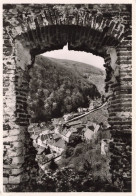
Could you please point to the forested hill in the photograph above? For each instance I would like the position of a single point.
(58, 87)
(90, 72)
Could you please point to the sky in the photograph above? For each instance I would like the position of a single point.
(83, 57)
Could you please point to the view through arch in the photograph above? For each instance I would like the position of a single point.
(45, 28)
(60, 91)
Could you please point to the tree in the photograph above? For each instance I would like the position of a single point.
(74, 140)
(53, 165)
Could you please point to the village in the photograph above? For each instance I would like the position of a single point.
(50, 141)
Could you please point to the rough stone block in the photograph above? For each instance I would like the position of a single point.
(14, 132)
(6, 171)
(5, 180)
(15, 179)
(18, 160)
(13, 138)
(5, 133)
(4, 189)
(15, 152)
(17, 144)
(12, 166)
(17, 171)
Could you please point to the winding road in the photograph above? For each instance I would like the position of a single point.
(85, 114)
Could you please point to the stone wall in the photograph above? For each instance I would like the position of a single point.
(19, 153)
(121, 121)
(29, 30)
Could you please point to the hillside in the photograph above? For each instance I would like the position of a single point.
(56, 88)
(93, 74)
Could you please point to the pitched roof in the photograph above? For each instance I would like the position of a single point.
(64, 132)
(45, 131)
(91, 127)
(97, 128)
(60, 143)
(56, 136)
(68, 134)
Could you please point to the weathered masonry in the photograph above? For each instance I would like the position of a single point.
(29, 30)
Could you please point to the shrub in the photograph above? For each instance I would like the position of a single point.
(53, 165)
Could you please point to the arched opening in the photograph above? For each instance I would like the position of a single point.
(28, 60)
(94, 33)
(60, 98)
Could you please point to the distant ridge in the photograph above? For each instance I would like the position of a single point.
(94, 74)
(72, 62)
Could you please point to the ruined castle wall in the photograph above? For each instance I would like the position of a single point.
(30, 30)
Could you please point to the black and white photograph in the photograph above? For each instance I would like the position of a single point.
(67, 97)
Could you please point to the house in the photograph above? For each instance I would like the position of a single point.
(80, 109)
(96, 129)
(60, 145)
(46, 134)
(94, 124)
(44, 137)
(88, 134)
(91, 105)
(56, 136)
(66, 117)
(85, 109)
(66, 134)
(56, 130)
(40, 149)
(64, 131)
(34, 137)
(42, 143)
(57, 146)
(104, 146)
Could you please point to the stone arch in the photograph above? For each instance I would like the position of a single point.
(40, 28)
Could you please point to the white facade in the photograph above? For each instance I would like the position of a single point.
(66, 137)
(56, 130)
(66, 117)
(104, 147)
(55, 148)
(88, 134)
(80, 109)
(96, 130)
(91, 106)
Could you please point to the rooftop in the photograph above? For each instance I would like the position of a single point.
(60, 143)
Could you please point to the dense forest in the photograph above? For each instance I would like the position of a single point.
(93, 74)
(56, 88)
